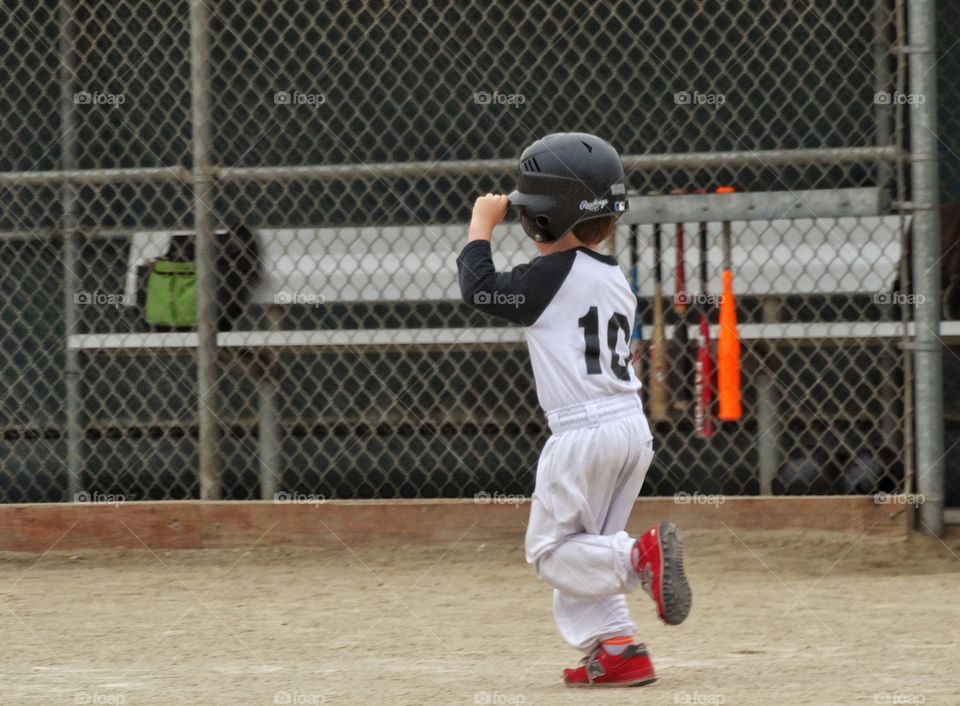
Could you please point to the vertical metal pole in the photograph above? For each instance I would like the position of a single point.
(882, 17)
(926, 268)
(209, 432)
(71, 281)
(766, 428)
(269, 451)
(906, 315)
(267, 429)
(768, 418)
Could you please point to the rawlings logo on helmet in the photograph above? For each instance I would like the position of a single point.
(594, 205)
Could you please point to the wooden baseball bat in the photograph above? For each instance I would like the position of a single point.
(658, 345)
(728, 341)
(636, 337)
(703, 381)
(683, 359)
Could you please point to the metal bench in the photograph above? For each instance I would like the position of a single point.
(399, 260)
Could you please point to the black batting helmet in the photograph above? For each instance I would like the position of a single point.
(567, 178)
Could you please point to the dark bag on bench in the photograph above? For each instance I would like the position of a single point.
(171, 293)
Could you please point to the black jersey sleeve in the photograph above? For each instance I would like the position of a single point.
(519, 295)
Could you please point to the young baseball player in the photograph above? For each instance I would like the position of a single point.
(577, 310)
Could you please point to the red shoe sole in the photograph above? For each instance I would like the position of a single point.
(641, 681)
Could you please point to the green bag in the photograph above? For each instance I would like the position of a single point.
(172, 294)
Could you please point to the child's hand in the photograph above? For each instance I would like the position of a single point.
(488, 211)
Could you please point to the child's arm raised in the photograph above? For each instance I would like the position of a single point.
(519, 295)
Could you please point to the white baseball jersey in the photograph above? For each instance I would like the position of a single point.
(578, 311)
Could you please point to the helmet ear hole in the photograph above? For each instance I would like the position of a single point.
(537, 227)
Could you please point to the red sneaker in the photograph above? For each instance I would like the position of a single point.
(657, 558)
(599, 668)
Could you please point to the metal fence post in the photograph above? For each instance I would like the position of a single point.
(71, 281)
(926, 266)
(207, 418)
(268, 433)
(881, 18)
(768, 413)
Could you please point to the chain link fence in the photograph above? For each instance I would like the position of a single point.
(948, 22)
(347, 144)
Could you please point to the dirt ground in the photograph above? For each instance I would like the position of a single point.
(778, 618)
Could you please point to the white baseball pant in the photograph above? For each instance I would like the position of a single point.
(588, 477)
